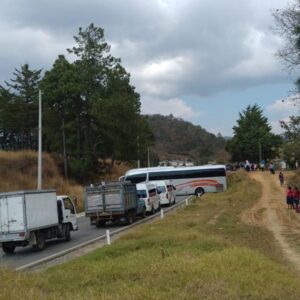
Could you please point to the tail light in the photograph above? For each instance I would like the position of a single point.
(167, 196)
(22, 234)
(148, 200)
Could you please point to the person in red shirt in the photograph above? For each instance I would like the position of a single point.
(296, 197)
(289, 198)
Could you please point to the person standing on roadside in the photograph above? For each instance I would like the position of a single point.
(281, 178)
(289, 197)
(296, 197)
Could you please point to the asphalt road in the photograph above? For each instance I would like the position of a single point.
(86, 232)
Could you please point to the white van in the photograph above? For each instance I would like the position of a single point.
(166, 192)
(148, 193)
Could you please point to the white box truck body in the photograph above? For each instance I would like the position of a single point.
(31, 217)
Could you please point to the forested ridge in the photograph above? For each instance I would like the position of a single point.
(179, 139)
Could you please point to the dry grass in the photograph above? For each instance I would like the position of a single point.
(294, 178)
(18, 171)
(184, 256)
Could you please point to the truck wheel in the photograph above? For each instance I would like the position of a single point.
(100, 224)
(8, 249)
(40, 242)
(130, 217)
(199, 192)
(67, 233)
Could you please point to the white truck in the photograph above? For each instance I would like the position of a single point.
(32, 217)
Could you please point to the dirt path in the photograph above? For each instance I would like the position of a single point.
(271, 212)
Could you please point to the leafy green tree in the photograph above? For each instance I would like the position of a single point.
(61, 91)
(291, 147)
(252, 137)
(19, 113)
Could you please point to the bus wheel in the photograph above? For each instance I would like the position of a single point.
(199, 192)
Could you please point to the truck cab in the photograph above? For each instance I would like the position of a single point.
(67, 212)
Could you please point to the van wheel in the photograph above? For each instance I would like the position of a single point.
(152, 210)
(67, 233)
(40, 242)
(8, 249)
(144, 212)
(199, 192)
(159, 207)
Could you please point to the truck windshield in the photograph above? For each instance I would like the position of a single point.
(69, 205)
(141, 193)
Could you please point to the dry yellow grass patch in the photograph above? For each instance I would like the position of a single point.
(18, 171)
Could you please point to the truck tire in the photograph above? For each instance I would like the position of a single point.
(100, 223)
(40, 242)
(130, 217)
(67, 233)
(8, 248)
(199, 192)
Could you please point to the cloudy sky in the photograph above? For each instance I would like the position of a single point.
(201, 60)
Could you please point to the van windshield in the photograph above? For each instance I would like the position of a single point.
(161, 189)
(141, 193)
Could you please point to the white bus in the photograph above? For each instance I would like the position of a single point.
(187, 180)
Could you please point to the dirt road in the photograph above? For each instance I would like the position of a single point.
(271, 212)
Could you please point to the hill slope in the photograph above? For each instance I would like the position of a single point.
(179, 139)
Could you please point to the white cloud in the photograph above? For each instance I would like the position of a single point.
(175, 106)
(282, 106)
(276, 128)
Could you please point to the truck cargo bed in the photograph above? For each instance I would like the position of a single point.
(114, 197)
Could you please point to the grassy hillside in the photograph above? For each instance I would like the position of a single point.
(202, 252)
(179, 139)
(18, 171)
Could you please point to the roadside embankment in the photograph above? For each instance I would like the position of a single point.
(18, 171)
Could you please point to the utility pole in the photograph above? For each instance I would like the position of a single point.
(148, 158)
(138, 151)
(39, 183)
